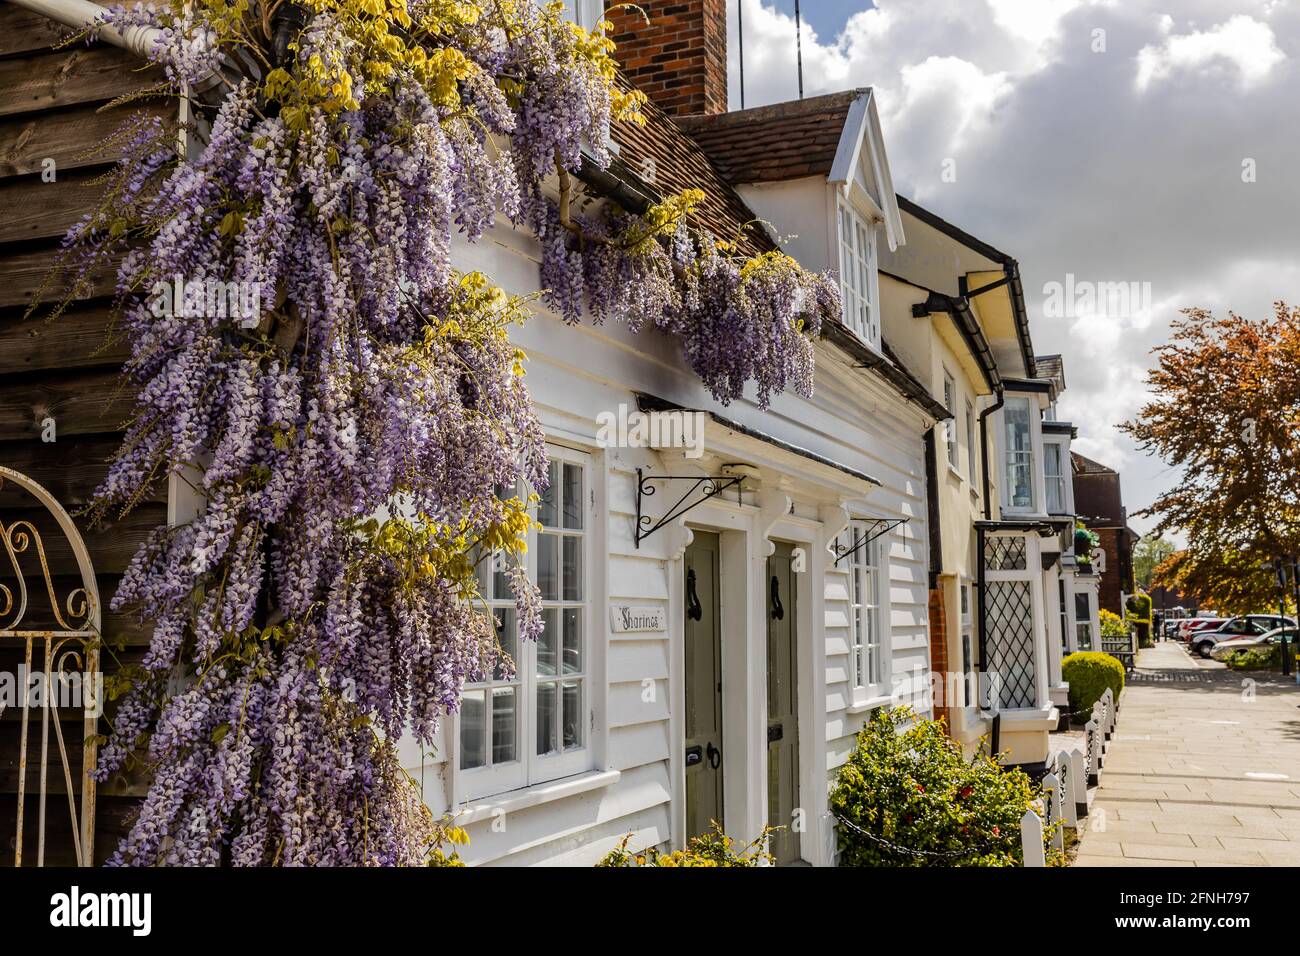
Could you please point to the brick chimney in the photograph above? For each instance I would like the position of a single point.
(679, 58)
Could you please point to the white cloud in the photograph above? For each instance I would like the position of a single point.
(1241, 42)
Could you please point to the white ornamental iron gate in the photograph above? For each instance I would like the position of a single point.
(72, 636)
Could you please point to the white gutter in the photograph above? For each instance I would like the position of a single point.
(80, 14)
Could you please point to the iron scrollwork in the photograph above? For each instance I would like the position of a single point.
(706, 486)
(65, 652)
(875, 528)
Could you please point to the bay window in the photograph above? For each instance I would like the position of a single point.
(530, 726)
(858, 274)
(1019, 446)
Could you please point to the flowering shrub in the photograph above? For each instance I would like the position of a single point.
(714, 848)
(1113, 627)
(908, 797)
(347, 440)
(1089, 673)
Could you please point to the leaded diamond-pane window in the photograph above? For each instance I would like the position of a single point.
(1004, 553)
(1009, 644)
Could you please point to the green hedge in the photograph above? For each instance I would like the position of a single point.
(1266, 657)
(1089, 673)
(909, 787)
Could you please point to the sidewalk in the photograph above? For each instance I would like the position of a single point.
(1203, 770)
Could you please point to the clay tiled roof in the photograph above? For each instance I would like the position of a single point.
(772, 143)
(1049, 366)
(666, 160)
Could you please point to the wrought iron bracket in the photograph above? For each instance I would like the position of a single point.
(875, 528)
(707, 486)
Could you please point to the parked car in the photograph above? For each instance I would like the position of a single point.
(1246, 625)
(1186, 628)
(1225, 649)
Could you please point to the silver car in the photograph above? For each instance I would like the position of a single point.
(1226, 648)
(1246, 625)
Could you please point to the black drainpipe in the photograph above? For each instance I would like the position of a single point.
(979, 552)
(932, 506)
(984, 449)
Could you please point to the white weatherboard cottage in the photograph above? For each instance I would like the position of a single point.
(707, 655)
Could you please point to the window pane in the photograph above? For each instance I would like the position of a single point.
(573, 496)
(548, 566)
(472, 726)
(548, 642)
(547, 741)
(572, 722)
(503, 724)
(500, 580)
(507, 638)
(547, 510)
(572, 657)
(572, 568)
(1019, 454)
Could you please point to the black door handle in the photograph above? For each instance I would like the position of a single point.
(778, 609)
(694, 610)
(714, 756)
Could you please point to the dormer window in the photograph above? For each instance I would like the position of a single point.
(858, 274)
(1020, 453)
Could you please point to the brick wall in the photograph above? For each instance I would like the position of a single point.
(1117, 578)
(679, 58)
(939, 671)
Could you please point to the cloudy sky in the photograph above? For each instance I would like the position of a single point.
(1140, 141)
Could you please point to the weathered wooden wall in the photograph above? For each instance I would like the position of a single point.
(66, 369)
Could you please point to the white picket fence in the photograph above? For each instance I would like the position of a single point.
(1065, 787)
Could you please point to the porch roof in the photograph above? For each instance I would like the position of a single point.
(653, 403)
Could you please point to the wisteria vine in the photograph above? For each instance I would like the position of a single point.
(346, 437)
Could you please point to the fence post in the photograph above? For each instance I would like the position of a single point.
(1094, 744)
(1069, 810)
(1108, 702)
(1052, 784)
(1078, 792)
(1031, 839)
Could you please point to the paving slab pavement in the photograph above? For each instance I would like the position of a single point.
(1203, 769)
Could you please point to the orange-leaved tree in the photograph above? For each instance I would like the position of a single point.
(1225, 409)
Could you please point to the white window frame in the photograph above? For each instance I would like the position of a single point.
(1066, 506)
(950, 426)
(867, 605)
(529, 767)
(1035, 456)
(966, 650)
(1031, 575)
(971, 462)
(859, 282)
(585, 13)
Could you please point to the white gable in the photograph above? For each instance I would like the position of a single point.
(862, 167)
